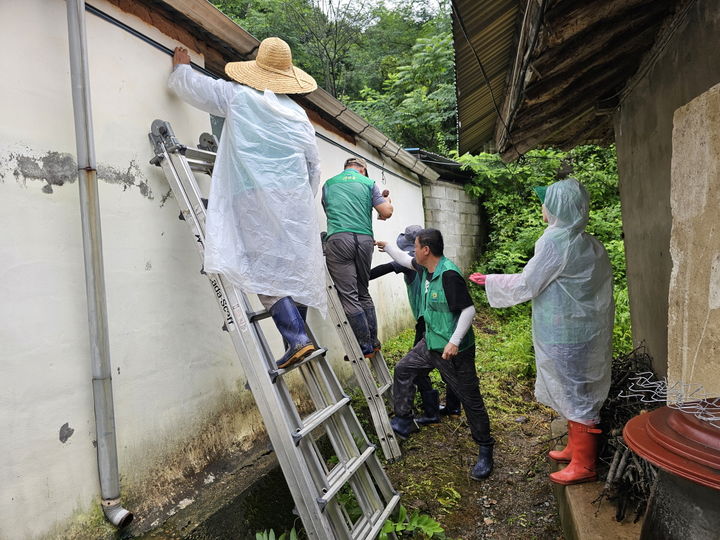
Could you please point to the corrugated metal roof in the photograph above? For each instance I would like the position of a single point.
(488, 27)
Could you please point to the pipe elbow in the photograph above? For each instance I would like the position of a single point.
(116, 514)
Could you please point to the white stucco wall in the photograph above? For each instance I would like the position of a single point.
(174, 370)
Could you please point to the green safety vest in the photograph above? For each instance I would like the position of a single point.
(347, 199)
(440, 322)
(414, 292)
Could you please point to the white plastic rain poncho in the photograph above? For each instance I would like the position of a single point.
(569, 280)
(262, 230)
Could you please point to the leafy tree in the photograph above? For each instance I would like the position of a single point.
(417, 104)
(347, 45)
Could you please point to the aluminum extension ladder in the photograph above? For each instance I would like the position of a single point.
(319, 484)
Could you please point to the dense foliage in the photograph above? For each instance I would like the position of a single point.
(515, 220)
(391, 63)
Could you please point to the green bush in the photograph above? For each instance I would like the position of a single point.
(514, 217)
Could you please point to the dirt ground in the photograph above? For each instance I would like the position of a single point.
(516, 501)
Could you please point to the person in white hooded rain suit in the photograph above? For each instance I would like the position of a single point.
(569, 280)
(262, 231)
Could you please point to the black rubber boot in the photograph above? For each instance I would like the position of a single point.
(452, 403)
(403, 426)
(291, 326)
(484, 465)
(359, 326)
(431, 404)
(372, 327)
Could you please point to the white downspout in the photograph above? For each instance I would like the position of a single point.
(94, 273)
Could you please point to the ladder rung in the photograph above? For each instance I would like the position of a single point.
(256, 316)
(275, 373)
(201, 166)
(195, 154)
(384, 388)
(364, 525)
(346, 472)
(317, 418)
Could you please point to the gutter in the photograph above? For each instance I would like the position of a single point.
(94, 272)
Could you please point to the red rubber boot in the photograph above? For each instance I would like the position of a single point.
(564, 455)
(584, 456)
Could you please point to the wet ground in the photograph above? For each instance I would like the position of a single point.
(515, 502)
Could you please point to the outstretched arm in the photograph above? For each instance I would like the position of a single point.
(205, 93)
(398, 255)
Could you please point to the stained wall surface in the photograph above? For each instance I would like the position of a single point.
(684, 69)
(694, 299)
(179, 391)
(457, 215)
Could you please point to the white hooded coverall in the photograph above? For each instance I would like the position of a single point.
(569, 280)
(262, 231)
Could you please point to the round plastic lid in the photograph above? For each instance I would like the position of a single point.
(677, 442)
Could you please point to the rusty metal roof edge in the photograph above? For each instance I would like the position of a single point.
(215, 22)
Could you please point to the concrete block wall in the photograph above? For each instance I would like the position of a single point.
(457, 215)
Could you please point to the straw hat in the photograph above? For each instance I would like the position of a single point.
(272, 69)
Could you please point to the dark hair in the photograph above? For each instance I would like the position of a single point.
(433, 239)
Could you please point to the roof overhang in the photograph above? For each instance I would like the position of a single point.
(569, 64)
(202, 27)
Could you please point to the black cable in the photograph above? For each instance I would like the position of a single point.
(150, 41)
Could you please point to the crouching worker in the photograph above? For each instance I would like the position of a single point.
(569, 280)
(448, 345)
(429, 396)
(262, 232)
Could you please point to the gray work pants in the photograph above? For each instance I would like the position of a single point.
(349, 256)
(458, 373)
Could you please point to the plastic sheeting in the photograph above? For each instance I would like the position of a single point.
(569, 280)
(262, 231)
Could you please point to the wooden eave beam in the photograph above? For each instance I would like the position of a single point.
(581, 94)
(569, 18)
(624, 50)
(553, 60)
(529, 32)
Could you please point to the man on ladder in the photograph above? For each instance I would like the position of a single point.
(348, 199)
(262, 231)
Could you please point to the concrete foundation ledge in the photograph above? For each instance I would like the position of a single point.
(581, 517)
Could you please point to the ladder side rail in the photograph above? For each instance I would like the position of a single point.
(298, 475)
(320, 474)
(342, 436)
(343, 424)
(376, 404)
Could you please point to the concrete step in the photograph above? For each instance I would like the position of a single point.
(582, 518)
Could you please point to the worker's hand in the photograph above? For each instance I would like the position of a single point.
(181, 56)
(381, 245)
(386, 196)
(450, 351)
(478, 278)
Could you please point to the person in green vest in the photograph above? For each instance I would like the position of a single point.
(430, 397)
(348, 199)
(448, 345)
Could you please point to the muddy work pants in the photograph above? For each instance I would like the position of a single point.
(458, 373)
